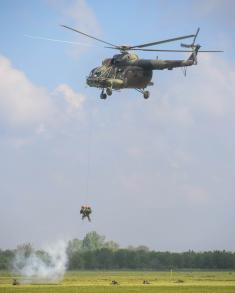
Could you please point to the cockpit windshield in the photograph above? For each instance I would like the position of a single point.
(107, 62)
(96, 72)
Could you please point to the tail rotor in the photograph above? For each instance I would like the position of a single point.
(195, 48)
(192, 46)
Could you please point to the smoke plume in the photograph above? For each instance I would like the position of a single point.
(46, 266)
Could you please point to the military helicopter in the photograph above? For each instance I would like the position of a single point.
(127, 70)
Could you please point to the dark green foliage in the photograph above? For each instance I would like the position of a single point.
(93, 252)
(106, 259)
(6, 257)
(93, 241)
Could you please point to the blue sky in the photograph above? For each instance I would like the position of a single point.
(162, 170)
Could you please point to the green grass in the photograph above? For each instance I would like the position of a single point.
(130, 282)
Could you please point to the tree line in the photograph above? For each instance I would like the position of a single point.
(106, 259)
(93, 252)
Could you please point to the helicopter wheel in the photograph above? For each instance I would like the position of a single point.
(146, 94)
(103, 96)
(109, 91)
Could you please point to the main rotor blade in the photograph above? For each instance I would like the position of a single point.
(59, 41)
(210, 51)
(159, 50)
(183, 51)
(77, 31)
(163, 41)
(194, 39)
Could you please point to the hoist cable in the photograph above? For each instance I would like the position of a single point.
(89, 141)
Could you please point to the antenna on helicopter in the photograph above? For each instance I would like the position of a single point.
(184, 70)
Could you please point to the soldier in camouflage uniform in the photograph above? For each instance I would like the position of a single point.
(85, 212)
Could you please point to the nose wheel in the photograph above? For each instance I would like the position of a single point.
(146, 94)
(103, 95)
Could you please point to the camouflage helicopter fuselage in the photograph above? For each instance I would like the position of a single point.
(126, 70)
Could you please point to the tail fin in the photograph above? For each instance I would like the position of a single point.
(195, 48)
(193, 56)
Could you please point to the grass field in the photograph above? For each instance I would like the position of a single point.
(130, 282)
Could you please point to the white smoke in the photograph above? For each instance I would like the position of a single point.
(41, 267)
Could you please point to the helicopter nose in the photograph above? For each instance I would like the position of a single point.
(89, 81)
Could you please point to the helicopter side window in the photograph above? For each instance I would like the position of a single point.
(92, 72)
(96, 73)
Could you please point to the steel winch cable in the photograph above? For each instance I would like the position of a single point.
(89, 142)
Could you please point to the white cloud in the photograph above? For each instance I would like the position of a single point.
(83, 16)
(135, 152)
(214, 91)
(78, 14)
(224, 9)
(207, 90)
(195, 194)
(73, 99)
(25, 105)
(20, 101)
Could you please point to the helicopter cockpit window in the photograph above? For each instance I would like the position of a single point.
(95, 73)
(92, 72)
(107, 62)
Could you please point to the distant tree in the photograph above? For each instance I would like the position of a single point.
(121, 257)
(22, 254)
(93, 241)
(93, 252)
(104, 258)
(74, 246)
(76, 261)
(142, 248)
(44, 256)
(6, 257)
(25, 249)
(111, 245)
(131, 247)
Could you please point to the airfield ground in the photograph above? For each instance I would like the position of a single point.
(130, 282)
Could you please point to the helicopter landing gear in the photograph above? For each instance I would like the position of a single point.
(146, 94)
(103, 95)
(109, 91)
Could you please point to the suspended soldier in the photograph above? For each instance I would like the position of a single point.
(85, 212)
